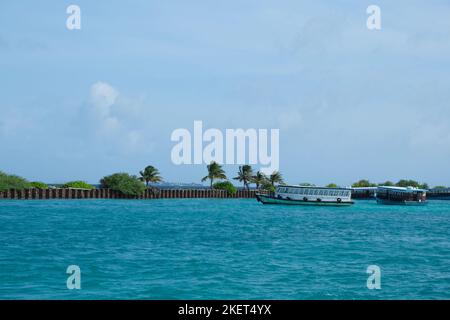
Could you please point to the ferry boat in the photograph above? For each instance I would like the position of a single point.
(403, 196)
(302, 195)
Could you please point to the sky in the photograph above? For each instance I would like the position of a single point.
(350, 103)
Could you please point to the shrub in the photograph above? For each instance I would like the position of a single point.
(78, 185)
(363, 184)
(268, 187)
(411, 183)
(12, 182)
(225, 185)
(38, 185)
(124, 183)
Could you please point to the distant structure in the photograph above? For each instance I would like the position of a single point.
(439, 194)
(364, 193)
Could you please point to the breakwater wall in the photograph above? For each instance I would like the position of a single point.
(30, 194)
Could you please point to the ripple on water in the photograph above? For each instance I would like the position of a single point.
(222, 249)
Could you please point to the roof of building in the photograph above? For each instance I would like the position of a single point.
(407, 189)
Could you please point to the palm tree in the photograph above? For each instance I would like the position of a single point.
(245, 175)
(259, 179)
(275, 177)
(150, 174)
(215, 171)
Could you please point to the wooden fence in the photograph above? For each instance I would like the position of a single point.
(30, 194)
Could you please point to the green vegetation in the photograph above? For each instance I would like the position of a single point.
(387, 184)
(124, 183)
(411, 183)
(259, 179)
(402, 183)
(306, 184)
(78, 185)
(150, 174)
(440, 187)
(267, 185)
(38, 185)
(225, 185)
(8, 181)
(363, 184)
(215, 171)
(245, 175)
(332, 185)
(276, 177)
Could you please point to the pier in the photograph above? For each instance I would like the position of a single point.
(63, 193)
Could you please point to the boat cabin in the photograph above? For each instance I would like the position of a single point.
(313, 193)
(398, 195)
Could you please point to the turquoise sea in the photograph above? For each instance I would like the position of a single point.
(222, 249)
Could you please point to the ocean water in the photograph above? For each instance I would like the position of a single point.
(222, 249)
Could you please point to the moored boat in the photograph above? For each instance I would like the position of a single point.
(302, 195)
(401, 196)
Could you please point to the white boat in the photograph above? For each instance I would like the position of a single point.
(405, 196)
(302, 195)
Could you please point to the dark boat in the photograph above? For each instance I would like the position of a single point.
(401, 196)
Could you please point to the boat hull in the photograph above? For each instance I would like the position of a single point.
(401, 203)
(265, 199)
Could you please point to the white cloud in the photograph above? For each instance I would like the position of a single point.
(112, 122)
(102, 97)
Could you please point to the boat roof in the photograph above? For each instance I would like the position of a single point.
(408, 189)
(313, 187)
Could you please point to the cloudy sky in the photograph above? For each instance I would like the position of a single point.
(350, 103)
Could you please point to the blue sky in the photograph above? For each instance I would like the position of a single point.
(350, 103)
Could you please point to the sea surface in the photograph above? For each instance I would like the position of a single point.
(222, 249)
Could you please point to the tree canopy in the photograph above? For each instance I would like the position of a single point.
(245, 175)
(215, 171)
(8, 181)
(150, 174)
(124, 183)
